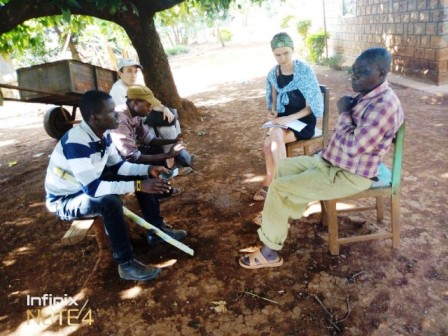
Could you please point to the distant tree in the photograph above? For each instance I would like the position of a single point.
(180, 22)
(136, 18)
(43, 39)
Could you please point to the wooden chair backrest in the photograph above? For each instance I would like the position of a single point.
(326, 115)
(398, 158)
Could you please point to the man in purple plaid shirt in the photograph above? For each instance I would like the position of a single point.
(366, 127)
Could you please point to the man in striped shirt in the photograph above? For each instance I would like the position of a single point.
(366, 127)
(85, 153)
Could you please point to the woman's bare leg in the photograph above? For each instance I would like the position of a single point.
(274, 150)
(269, 160)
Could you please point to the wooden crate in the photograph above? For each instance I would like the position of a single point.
(66, 79)
(105, 78)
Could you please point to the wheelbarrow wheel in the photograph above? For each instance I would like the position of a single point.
(55, 122)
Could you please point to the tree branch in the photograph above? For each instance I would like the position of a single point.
(16, 12)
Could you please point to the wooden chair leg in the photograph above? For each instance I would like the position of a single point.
(100, 234)
(333, 232)
(395, 220)
(379, 208)
(323, 214)
(104, 261)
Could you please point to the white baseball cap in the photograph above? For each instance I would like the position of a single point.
(127, 62)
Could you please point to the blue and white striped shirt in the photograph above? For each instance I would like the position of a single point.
(85, 156)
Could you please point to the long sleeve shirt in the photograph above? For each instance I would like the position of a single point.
(130, 132)
(304, 80)
(83, 155)
(118, 92)
(364, 134)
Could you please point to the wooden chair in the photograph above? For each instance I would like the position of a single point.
(79, 228)
(320, 136)
(388, 185)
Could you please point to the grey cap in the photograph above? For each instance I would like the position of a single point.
(127, 62)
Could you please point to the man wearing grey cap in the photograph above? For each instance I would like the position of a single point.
(128, 71)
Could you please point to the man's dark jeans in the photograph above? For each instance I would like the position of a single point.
(110, 207)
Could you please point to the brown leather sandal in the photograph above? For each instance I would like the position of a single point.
(261, 193)
(257, 260)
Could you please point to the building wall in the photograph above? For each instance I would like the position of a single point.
(415, 32)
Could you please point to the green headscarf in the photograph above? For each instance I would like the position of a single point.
(282, 40)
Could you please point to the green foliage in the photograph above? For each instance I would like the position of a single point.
(33, 35)
(335, 62)
(35, 32)
(185, 21)
(45, 39)
(177, 50)
(42, 40)
(180, 22)
(113, 6)
(316, 45)
(212, 10)
(303, 28)
(180, 13)
(226, 35)
(286, 21)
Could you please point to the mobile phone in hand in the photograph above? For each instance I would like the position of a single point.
(173, 172)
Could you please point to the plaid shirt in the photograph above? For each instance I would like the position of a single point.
(130, 132)
(364, 134)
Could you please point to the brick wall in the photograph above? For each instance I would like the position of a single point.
(415, 32)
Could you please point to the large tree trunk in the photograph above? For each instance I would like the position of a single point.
(140, 28)
(157, 71)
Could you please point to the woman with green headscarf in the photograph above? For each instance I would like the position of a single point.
(292, 93)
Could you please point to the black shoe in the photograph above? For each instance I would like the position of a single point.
(172, 193)
(154, 239)
(135, 270)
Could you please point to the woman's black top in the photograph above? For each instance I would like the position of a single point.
(296, 103)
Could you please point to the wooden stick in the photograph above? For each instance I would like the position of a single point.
(260, 297)
(348, 311)
(140, 221)
(329, 317)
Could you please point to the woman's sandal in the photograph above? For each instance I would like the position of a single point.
(258, 260)
(261, 193)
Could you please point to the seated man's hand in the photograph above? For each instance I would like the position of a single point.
(155, 186)
(179, 137)
(154, 171)
(167, 114)
(175, 149)
(346, 103)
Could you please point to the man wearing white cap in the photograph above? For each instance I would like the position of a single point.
(128, 71)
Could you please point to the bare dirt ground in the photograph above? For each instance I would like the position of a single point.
(369, 289)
